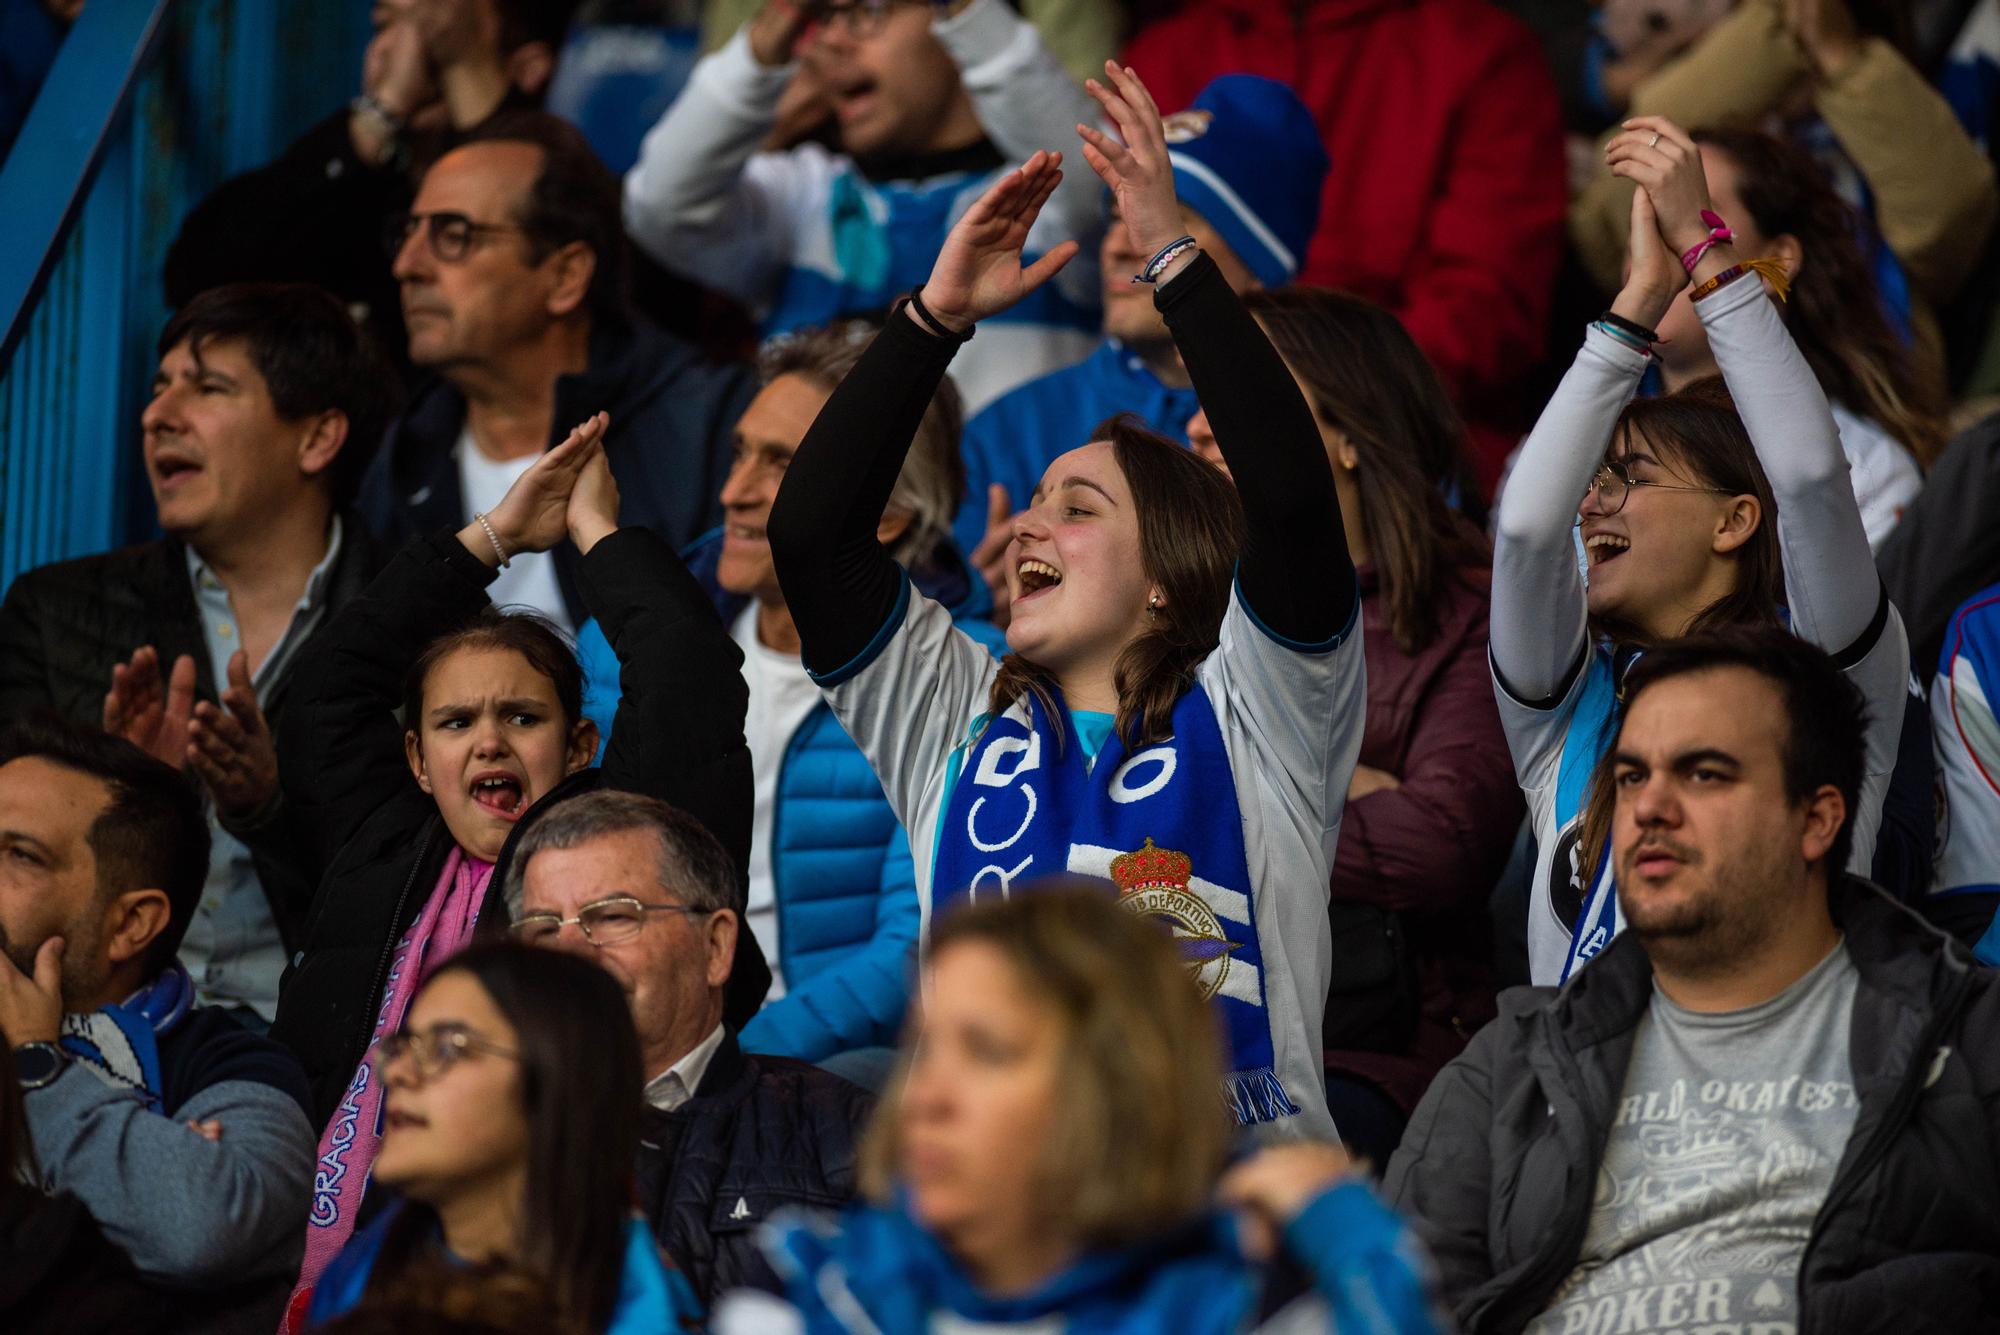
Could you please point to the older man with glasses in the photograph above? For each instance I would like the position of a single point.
(511, 264)
(645, 891)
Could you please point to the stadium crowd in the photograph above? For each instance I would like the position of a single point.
(1237, 666)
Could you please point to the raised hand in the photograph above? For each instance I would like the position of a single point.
(231, 749)
(1653, 275)
(1826, 32)
(152, 715)
(978, 272)
(1661, 159)
(593, 504)
(534, 514)
(1137, 171)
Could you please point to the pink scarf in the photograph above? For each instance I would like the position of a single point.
(347, 1147)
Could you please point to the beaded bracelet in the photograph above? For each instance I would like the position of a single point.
(1166, 256)
(493, 538)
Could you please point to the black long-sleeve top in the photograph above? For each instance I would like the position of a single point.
(1294, 574)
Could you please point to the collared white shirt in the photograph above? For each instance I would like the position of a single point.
(677, 1084)
(232, 948)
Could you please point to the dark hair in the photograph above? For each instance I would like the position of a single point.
(153, 834)
(524, 21)
(532, 636)
(1834, 309)
(581, 1094)
(1698, 436)
(690, 861)
(1365, 376)
(574, 197)
(1825, 715)
(312, 355)
(1190, 531)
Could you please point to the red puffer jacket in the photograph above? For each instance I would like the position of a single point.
(1432, 848)
(1445, 202)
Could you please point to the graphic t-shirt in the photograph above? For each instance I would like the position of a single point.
(1725, 1142)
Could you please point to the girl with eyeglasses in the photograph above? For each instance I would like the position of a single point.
(1182, 705)
(512, 1120)
(429, 723)
(1726, 502)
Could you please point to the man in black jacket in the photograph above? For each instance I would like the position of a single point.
(266, 405)
(512, 266)
(1773, 1103)
(645, 891)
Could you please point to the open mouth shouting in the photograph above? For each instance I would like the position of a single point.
(1035, 577)
(1602, 547)
(500, 792)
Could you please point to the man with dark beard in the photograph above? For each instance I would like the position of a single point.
(1773, 1102)
(184, 1135)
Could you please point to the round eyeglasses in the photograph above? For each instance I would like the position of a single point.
(605, 923)
(449, 235)
(435, 1050)
(1613, 483)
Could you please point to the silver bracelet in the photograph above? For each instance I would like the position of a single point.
(493, 538)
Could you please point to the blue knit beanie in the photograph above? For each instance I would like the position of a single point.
(1247, 157)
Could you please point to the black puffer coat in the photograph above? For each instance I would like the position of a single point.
(1499, 1166)
(679, 738)
(63, 627)
(760, 1133)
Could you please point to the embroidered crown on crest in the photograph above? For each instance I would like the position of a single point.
(1151, 868)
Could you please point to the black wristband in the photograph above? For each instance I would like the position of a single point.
(931, 322)
(1632, 327)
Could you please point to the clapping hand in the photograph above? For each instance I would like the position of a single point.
(231, 747)
(593, 504)
(534, 514)
(1662, 160)
(989, 558)
(151, 715)
(1138, 172)
(978, 272)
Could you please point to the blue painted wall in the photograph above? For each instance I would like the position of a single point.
(230, 84)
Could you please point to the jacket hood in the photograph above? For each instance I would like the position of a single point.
(902, 1274)
(628, 368)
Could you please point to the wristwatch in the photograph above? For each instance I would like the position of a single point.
(38, 1064)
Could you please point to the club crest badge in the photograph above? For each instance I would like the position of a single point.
(1182, 126)
(1154, 883)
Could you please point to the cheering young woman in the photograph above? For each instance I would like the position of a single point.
(1697, 513)
(1190, 740)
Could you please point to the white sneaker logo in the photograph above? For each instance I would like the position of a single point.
(742, 1210)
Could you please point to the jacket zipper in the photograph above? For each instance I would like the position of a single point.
(374, 1007)
(1878, 1143)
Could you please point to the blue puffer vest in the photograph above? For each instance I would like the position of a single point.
(840, 862)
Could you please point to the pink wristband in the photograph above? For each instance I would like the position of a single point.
(1718, 235)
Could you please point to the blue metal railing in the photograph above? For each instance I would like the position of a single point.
(150, 104)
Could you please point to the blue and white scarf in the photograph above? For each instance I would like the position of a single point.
(1028, 806)
(121, 1044)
